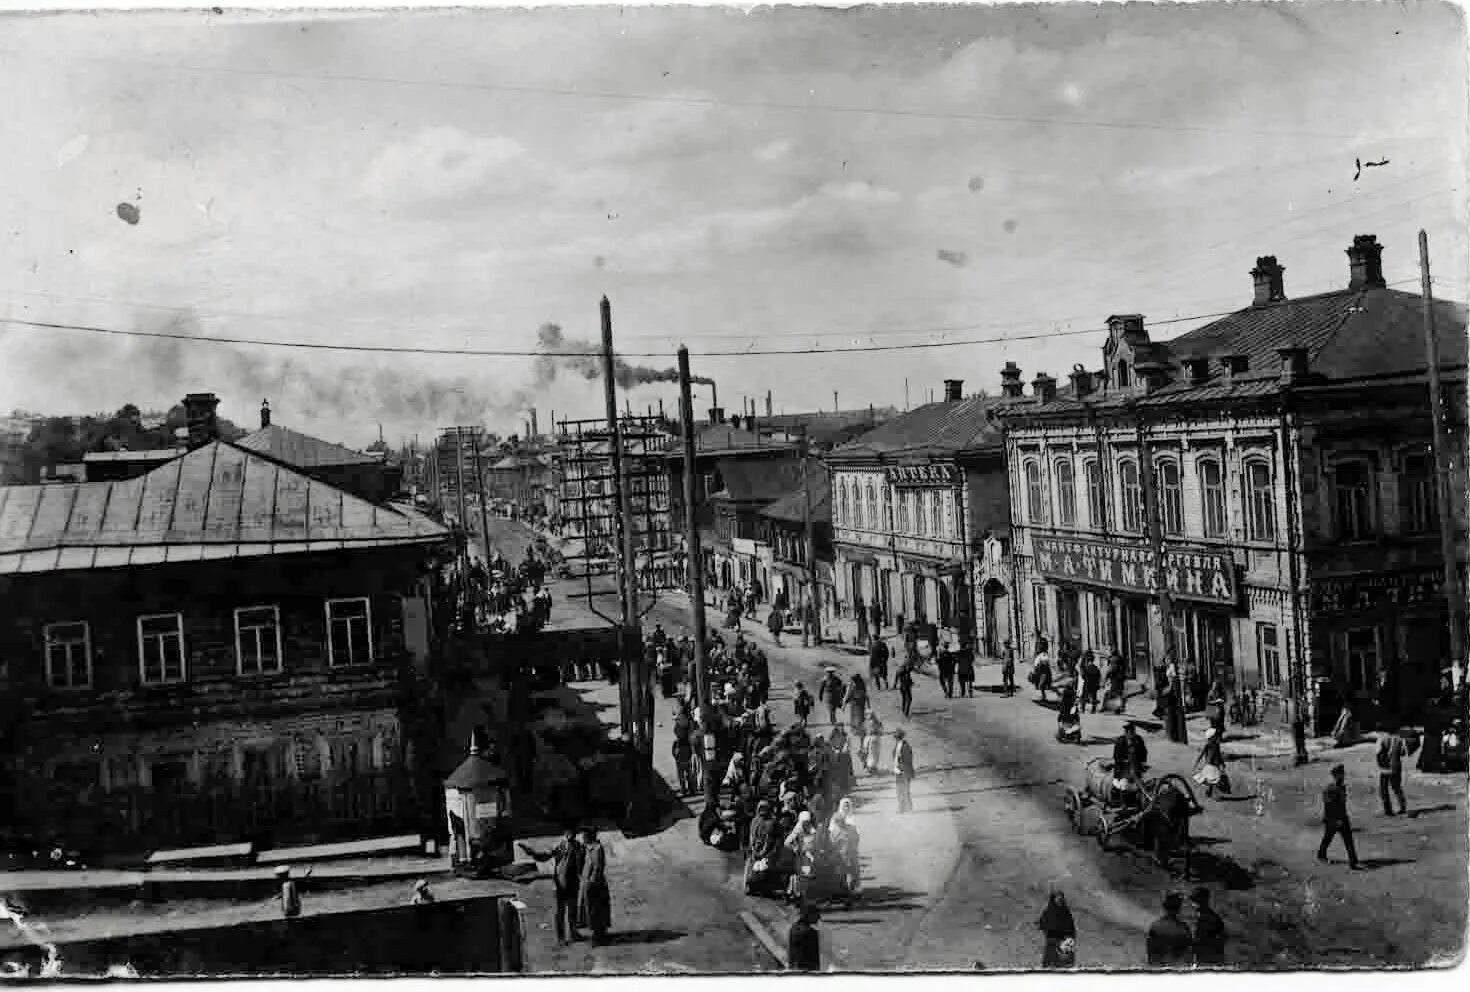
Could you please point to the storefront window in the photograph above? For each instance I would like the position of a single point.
(1132, 496)
(1212, 495)
(1035, 505)
(1066, 493)
(1092, 471)
(1416, 494)
(1268, 652)
(1353, 500)
(1259, 504)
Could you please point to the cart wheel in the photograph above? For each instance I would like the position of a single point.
(1104, 833)
(1072, 804)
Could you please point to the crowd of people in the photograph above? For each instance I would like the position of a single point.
(507, 599)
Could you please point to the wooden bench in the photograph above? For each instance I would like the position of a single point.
(230, 853)
(346, 849)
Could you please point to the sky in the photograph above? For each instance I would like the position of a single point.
(775, 180)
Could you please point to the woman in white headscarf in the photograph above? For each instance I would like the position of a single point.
(804, 843)
(845, 862)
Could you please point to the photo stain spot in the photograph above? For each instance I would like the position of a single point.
(1010, 226)
(976, 184)
(128, 212)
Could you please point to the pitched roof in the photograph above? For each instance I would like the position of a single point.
(302, 450)
(947, 427)
(762, 481)
(218, 501)
(792, 506)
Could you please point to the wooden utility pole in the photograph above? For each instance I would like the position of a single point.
(1442, 465)
(1174, 713)
(694, 559)
(480, 488)
(459, 475)
(811, 610)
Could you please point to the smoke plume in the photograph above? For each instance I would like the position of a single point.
(586, 360)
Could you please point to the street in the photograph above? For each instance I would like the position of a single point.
(962, 879)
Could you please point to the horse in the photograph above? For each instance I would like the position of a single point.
(1164, 824)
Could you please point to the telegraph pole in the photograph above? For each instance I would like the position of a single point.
(480, 488)
(1442, 466)
(1174, 713)
(811, 620)
(694, 559)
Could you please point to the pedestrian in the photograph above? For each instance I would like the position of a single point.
(803, 705)
(596, 899)
(1215, 706)
(1392, 750)
(1210, 765)
(1117, 680)
(803, 942)
(905, 682)
(878, 662)
(965, 670)
(1041, 674)
(1060, 931)
(857, 703)
(946, 663)
(1335, 820)
(566, 880)
(875, 618)
(903, 770)
(290, 894)
(773, 624)
(832, 692)
(869, 747)
(684, 751)
(1209, 930)
(1170, 944)
(1091, 681)
(1008, 670)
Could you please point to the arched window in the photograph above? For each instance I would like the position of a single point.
(1092, 474)
(1416, 496)
(903, 511)
(1171, 497)
(886, 520)
(1066, 492)
(936, 513)
(1260, 505)
(1132, 496)
(1122, 375)
(921, 524)
(1035, 504)
(844, 507)
(1212, 497)
(1352, 490)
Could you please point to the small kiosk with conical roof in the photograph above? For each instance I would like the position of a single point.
(476, 801)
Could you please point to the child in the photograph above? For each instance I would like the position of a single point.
(804, 704)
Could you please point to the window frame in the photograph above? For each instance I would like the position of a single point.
(1254, 507)
(1066, 491)
(871, 507)
(47, 644)
(239, 642)
(1419, 491)
(1171, 498)
(1370, 680)
(905, 517)
(178, 618)
(1035, 491)
(1361, 523)
(1092, 477)
(367, 618)
(936, 513)
(1268, 656)
(1212, 498)
(1132, 496)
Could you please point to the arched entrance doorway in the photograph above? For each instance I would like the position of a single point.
(921, 601)
(997, 619)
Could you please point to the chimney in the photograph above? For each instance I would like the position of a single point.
(716, 415)
(768, 404)
(1151, 375)
(1365, 263)
(535, 425)
(1081, 381)
(1234, 366)
(1044, 388)
(953, 390)
(1293, 364)
(1198, 369)
(199, 412)
(1269, 280)
(735, 421)
(1010, 380)
(265, 413)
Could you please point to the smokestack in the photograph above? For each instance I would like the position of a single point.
(199, 411)
(1365, 263)
(1010, 380)
(953, 390)
(535, 425)
(835, 407)
(1269, 280)
(768, 404)
(661, 409)
(265, 413)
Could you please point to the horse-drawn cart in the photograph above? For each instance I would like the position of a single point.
(1155, 812)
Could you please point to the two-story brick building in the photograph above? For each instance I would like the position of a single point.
(220, 649)
(781, 530)
(920, 510)
(1293, 489)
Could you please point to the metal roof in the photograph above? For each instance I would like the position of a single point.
(792, 506)
(944, 428)
(303, 450)
(218, 501)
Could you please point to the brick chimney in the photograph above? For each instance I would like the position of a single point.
(1293, 364)
(265, 413)
(1198, 370)
(1234, 366)
(1044, 388)
(1010, 380)
(1081, 381)
(199, 414)
(716, 415)
(1270, 281)
(953, 390)
(1365, 263)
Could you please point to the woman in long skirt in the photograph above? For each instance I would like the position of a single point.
(1060, 933)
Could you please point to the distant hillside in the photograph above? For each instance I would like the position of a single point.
(58, 440)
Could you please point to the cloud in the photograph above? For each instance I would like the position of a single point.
(776, 151)
(956, 258)
(438, 163)
(859, 192)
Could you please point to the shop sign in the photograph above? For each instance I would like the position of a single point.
(914, 476)
(1200, 575)
(1374, 592)
(743, 546)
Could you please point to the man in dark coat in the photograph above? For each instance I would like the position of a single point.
(878, 662)
(905, 682)
(833, 693)
(1170, 944)
(1091, 681)
(596, 899)
(946, 663)
(1335, 818)
(1130, 754)
(803, 942)
(1209, 930)
(566, 877)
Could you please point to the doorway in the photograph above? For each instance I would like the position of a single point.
(1136, 651)
(1069, 616)
(997, 619)
(921, 604)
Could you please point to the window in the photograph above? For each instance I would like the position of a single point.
(161, 648)
(1066, 493)
(1035, 504)
(1352, 485)
(1362, 658)
(903, 511)
(257, 640)
(349, 632)
(1038, 608)
(887, 518)
(1092, 472)
(1122, 375)
(936, 513)
(1417, 494)
(1132, 496)
(873, 522)
(69, 655)
(921, 525)
(1212, 495)
(1268, 652)
(1171, 497)
(1260, 508)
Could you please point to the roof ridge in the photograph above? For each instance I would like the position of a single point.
(1357, 298)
